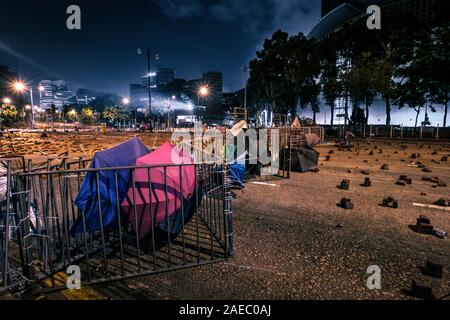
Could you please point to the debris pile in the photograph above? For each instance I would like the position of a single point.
(423, 225)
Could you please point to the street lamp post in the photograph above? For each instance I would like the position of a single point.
(125, 103)
(149, 74)
(203, 91)
(19, 86)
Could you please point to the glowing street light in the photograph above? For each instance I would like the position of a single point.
(7, 100)
(203, 91)
(126, 101)
(19, 86)
(41, 88)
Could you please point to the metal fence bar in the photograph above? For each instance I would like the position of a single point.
(45, 212)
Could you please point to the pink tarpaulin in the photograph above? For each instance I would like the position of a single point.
(148, 202)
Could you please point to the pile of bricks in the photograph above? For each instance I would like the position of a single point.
(346, 204)
(422, 289)
(390, 203)
(436, 180)
(406, 179)
(367, 183)
(345, 184)
(423, 225)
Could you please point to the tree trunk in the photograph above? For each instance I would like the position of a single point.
(388, 110)
(367, 111)
(417, 117)
(445, 113)
(332, 115)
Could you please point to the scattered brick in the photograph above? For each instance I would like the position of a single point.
(424, 228)
(434, 270)
(422, 289)
(444, 159)
(365, 172)
(385, 167)
(346, 204)
(406, 179)
(401, 183)
(345, 184)
(423, 219)
(390, 202)
(443, 202)
(367, 183)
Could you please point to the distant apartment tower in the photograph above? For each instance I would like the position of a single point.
(164, 76)
(138, 95)
(55, 92)
(161, 77)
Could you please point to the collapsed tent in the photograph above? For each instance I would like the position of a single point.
(165, 196)
(87, 199)
(304, 159)
(236, 165)
(3, 180)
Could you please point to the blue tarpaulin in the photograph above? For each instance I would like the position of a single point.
(236, 165)
(87, 201)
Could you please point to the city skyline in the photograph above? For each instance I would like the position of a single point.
(102, 56)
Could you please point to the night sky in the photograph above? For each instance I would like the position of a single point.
(192, 36)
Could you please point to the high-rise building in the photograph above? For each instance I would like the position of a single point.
(138, 95)
(160, 77)
(56, 92)
(164, 76)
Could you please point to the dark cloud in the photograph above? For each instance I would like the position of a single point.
(254, 16)
(175, 9)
